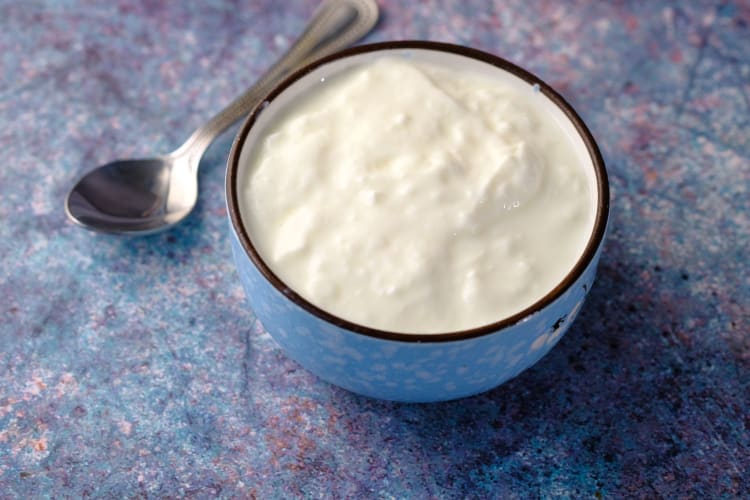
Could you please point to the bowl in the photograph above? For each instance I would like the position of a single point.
(401, 366)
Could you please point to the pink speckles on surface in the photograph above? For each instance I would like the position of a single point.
(134, 368)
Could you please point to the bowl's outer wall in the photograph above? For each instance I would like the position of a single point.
(408, 371)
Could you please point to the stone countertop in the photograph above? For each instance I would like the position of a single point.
(134, 367)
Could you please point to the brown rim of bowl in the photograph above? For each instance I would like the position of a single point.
(597, 235)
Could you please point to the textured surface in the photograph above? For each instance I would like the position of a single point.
(134, 367)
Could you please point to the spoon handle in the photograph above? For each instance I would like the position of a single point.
(335, 25)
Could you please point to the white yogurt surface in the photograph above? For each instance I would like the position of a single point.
(410, 197)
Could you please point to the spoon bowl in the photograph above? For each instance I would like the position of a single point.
(138, 196)
(133, 197)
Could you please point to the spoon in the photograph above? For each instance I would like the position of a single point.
(143, 196)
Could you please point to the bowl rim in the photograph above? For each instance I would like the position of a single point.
(587, 256)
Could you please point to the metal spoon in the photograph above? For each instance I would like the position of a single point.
(149, 195)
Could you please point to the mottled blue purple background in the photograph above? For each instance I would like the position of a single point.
(133, 367)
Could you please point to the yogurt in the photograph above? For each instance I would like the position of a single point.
(406, 196)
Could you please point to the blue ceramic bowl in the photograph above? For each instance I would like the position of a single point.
(402, 366)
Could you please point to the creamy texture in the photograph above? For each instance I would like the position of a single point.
(411, 197)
